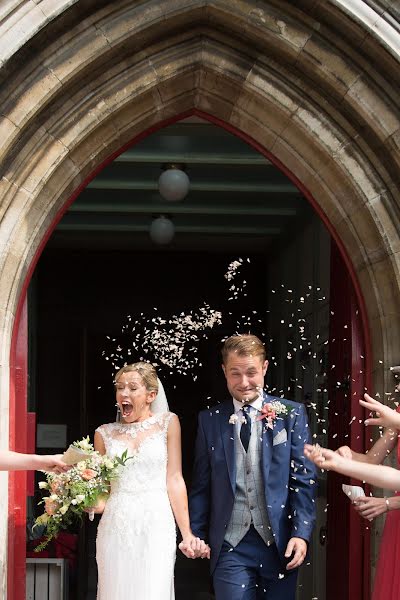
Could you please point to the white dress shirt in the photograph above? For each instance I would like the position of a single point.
(256, 404)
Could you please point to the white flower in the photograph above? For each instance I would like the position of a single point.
(85, 444)
(108, 463)
(81, 466)
(279, 407)
(54, 497)
(43, 485)
(64, 509)
(233, 419)
(80, 498)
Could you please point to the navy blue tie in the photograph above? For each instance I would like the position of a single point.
(245, 430)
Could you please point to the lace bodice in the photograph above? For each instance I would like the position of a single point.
(136, 537)
(146, 443)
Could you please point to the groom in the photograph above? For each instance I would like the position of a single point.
(252, 491)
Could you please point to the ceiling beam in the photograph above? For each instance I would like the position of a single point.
(184, 209)
(209, 229)
(273, 188)
(187, 158)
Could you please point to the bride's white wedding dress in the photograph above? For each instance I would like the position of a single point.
(136, 537)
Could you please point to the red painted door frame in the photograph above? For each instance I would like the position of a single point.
(348, 539)
(18, 378)
(18, 440)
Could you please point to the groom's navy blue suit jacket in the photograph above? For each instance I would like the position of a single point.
(288, 477)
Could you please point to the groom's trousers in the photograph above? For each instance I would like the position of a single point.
(252, 571)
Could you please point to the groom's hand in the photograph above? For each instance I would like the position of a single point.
(297, 547)
(194, 547)
(200, 548)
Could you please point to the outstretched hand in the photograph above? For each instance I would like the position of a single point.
(322, 457)
(194, 547)
(52, 463)
(385, 416)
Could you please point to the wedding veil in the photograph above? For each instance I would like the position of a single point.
(160, 404)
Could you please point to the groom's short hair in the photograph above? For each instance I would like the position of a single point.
(244, 344)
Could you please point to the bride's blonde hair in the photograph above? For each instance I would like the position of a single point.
(146, 371)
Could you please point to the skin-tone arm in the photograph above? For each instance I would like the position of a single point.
(377, 454)
(191, 546)
(99, 443)
(100, 447)
(15, 461)
(370, 507)
(378, 475)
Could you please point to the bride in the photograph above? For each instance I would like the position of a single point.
(136, 537)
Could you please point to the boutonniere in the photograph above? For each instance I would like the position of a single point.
(233, 419)
(270, 411)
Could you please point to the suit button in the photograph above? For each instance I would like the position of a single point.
(246, 524)
(250, 490)
(248, 471)
(251, 507)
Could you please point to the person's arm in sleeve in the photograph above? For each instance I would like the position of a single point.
(199, 497)
(302, 490)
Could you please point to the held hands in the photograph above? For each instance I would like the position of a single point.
(297, 547)
(385, 416)
(194, 547)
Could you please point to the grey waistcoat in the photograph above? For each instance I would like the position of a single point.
(249, 506)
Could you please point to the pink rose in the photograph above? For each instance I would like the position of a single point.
(269, 414)
(56, 487)
(50, 506)
(88, 474)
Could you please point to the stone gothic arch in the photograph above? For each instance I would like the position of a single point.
(314, 83)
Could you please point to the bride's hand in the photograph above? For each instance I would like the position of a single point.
(98, 509)
(194, 547)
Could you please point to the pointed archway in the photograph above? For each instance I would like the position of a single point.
(96, 79)
(360, 568)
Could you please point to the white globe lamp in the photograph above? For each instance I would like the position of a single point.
(173, 184)
(162, 230)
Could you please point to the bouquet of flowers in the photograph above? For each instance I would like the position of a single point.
(80, 488)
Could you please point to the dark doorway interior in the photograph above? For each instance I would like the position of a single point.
(82, 300)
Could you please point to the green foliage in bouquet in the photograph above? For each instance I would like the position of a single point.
(80, 488)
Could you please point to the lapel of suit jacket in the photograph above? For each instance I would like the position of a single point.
(228, 439)
(267, 446)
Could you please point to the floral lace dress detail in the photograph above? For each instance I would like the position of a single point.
(136, 537)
